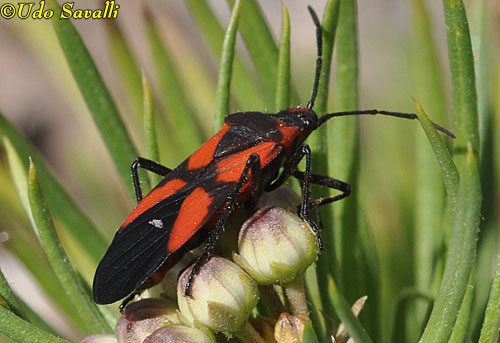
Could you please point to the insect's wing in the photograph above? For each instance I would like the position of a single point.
(142, 246)
(137, 250)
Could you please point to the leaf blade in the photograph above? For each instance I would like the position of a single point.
(225, 69)
(71, 281)
(96, 96)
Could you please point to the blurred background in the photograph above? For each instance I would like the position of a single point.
(39, 96)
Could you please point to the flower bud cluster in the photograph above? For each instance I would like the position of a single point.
(275, 247)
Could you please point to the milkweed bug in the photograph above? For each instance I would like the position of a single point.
(196, 199)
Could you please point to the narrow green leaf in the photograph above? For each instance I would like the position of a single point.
(71, 281)
(318, 143)
(225, 69)
(10, 298)
(24, 244)
(178, 109)
(344, 312)
(21, 331)
(246, 90)
(126, 65)
(316, 307)
(483, 18)
(260, 44)
(77, 223)
(490, 332)
(19, 175)
(19, 308)
(429, 191)
(463, 79)
(282, 99)
(96, 95)
(460, 257)
(404, 302)
(369, 276)
(329, 26)
(448, 168)
(342, 140)
(152, 151)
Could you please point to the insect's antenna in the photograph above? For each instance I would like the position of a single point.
(328, 116)
(319, 60)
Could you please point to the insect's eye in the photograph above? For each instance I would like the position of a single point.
(305, 118)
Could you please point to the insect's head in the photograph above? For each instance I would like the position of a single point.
(303, 118)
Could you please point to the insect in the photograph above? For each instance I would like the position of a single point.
(196, 199)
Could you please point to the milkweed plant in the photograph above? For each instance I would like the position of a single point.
(410, 256)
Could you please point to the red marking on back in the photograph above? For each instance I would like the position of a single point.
(231, 168)
(298, 109)
(203, 156)
(155, 196)
(192, 216)
(288, 133)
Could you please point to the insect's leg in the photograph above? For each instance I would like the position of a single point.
(288, 171)
(126, 301)
(149, 165)
(329, 182)
(253, 165)
(304, 211)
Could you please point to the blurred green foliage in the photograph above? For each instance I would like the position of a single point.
(390, 240)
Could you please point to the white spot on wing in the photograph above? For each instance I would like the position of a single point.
(158, 223)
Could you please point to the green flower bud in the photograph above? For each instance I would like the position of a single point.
(143, 317)
(275, 246)
(294, 329)
(180, 334)
(222, 295)
(101, 338)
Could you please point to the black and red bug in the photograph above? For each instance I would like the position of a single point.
(197, 198)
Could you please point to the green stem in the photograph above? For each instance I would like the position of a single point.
(460, 330)
(272, 299)
(296, 295)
